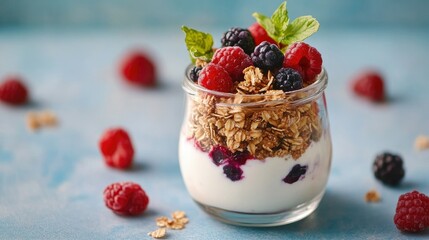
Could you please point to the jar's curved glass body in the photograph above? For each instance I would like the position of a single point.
(256, 160)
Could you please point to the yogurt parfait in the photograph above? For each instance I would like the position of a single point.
(255, 146)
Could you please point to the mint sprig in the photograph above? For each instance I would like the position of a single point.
(199, 44)
(283, 32)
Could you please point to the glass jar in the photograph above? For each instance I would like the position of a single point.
(256, 159)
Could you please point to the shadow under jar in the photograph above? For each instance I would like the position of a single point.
(256, 159)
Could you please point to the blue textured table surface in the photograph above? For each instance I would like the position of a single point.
(51, 181)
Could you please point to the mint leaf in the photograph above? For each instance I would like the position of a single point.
(280, 19)
(282, 31)
(300, 29)
(199, 44)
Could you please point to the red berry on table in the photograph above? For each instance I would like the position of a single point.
(259, 34)
(369, 84)
(126, 198)
(117, 148)
(13, 91)
(305, 59)
(216, 78)
(138, 68)
(234, 60)
(412, 212)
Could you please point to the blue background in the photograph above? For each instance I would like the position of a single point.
(170, 14)
(51, 181)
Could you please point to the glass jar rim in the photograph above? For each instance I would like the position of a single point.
(310, 92)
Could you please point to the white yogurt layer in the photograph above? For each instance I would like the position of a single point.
(262, 190)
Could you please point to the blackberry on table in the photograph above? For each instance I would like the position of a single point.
(267, 56)
(388, 168)
(287, 79)
(238, 37)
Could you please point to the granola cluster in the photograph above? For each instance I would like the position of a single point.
(259, 123)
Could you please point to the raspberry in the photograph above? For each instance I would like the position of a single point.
(369, 84)
(214, 77)
(219, 154)
(388, 168)
(126, 198)
(13, 91)
(194, 73)
(238, 37)
(233, 172)
(234, 60)
(305, 59)
(287, 79)
(138, 68)
(412, 212)
(117, 149)
(295, 174)
(259, 34)
(267, 56)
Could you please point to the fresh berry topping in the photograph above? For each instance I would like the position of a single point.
(240, 158)
(233, 172)
(388, 168)
(305, 59)
(195, 73)
(126, 198)
(267, 56)
(412, 212)
(259, 34)
(287, 79)
(116, 147)
(13, 91)
(238, 37)
(216, 78)
(138, 68)
(219, 154)
(234, 60)
(369, 84)
(295, 174)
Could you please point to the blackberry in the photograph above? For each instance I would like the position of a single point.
(238, 37)
(267, 56)
(219, 155)
(287, 79)
(233, 172)
(195, 73)
(388, 168)
(240, 158)
(295, 174)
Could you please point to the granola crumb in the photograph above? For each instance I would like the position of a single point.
(159, 233)
(372, 196)
(32, 122)
(422, 143)
(200, 63)
(37, 120)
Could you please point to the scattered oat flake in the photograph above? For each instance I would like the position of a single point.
(48, 118)
(372, 196)
(183, 220)
(178, 214)
(37, 120)
(32, 123)
(159, 233)
(178, 222)
(422, 143)
(176, 225)
(162, 221)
